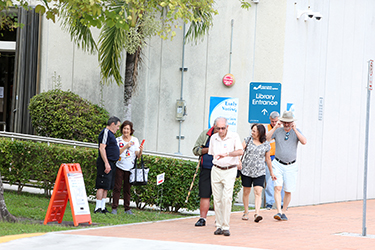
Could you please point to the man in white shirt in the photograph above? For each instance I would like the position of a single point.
(225, 147)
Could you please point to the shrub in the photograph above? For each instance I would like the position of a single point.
(22, 161)
(65, 115)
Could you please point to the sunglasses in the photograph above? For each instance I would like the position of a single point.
(223, 128)
(287, 136)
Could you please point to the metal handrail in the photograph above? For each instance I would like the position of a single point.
(84, 144)
(168, 155)
(47, 139)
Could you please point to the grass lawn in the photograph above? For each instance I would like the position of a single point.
(31, 210)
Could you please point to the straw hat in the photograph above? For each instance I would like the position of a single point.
(287, 117)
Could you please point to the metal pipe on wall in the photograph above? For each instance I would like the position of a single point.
(183, 63)
(231, 45)
(182, 86)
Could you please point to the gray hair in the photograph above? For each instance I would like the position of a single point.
(113, 119)
(220, 117)
(274, 114)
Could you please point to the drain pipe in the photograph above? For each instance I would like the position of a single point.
(181, 104)
(231, 46)
(183, 63)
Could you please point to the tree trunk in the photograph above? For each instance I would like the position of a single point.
(4, 213)
(131, 73)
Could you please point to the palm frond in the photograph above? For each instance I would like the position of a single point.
(79, 33)
(111, 47)
(198, 29)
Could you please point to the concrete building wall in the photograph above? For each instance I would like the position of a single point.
(328, 59)
(257, 55)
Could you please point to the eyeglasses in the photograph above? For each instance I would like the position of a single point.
(218, 128)
(287, 136)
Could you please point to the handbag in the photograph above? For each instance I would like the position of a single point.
(138, 174)
(244, 151)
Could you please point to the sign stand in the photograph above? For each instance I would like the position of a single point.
(159, 181)
(160, 191)
(69, 184)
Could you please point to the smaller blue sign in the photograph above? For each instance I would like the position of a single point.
(224, 107)
(264, 98)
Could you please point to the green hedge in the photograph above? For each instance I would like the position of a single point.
(22, 161)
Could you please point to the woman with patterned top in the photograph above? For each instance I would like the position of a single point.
(253, 170)
(129, 151)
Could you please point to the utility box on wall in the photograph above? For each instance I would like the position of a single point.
(181, 110)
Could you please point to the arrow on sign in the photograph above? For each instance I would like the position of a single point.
(264, 111)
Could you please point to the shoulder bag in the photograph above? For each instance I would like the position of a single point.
(244, 151)
(138, 174)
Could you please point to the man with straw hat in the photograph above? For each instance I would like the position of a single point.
(285, 166)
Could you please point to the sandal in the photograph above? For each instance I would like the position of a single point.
(257, 218)
(245, 217)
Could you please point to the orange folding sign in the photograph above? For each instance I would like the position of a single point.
(69, 185)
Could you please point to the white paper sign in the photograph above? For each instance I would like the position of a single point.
(78, 193)
(160, 178)
(1, 92)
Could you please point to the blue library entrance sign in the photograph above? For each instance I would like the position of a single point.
(264, 98)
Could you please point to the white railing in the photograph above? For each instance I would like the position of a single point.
(84, 144)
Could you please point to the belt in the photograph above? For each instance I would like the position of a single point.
(285, 163)
(225, 168)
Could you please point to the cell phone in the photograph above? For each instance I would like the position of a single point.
(143, 141)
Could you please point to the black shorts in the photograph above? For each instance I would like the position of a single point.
(205, 190)
(247, 181)
(103, 180)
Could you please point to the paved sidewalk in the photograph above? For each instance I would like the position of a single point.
(328, 226)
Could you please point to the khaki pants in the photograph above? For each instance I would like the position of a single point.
(222, 182)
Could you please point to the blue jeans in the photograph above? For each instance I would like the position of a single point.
(269, 190)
